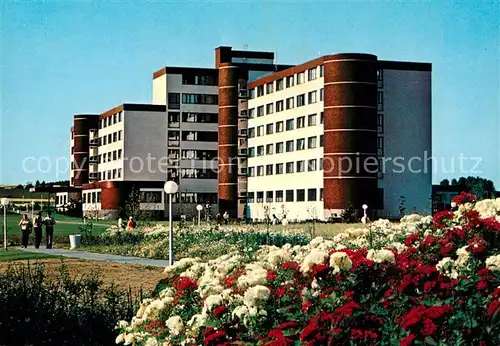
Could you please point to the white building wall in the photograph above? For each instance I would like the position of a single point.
(406, 135)
(291, 181)
(145, 135)
(118, 164)
(160, 90)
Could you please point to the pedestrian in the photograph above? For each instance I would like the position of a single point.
(49, 223)
(25, 230)
(131, 223)
(226, 217)
(37, 226)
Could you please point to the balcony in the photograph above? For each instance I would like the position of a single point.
(93, 159)
(243, 133)
(94, 142)
(243, 93)
(93, 176)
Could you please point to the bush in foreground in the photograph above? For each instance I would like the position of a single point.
(422, 281)
(37, 311)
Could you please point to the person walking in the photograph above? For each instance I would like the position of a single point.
(131, 223)
(37, 226)
(49, 223)
(25, 225)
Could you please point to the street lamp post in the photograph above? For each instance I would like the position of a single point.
(5, 203)
(32, 209)
(170, 188)
(363, 219)
(199, 207)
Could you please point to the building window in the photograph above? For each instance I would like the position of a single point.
(260, 111)
(300, 78)
(289, 146)
(380, 100)
(200, 99)
(260, 130)
(301, 145)
(321, 194)
(289, 81)
(279, 147)
(380, 123)
(260, 150)
(311, 165)
(289, 124)
(119, 116)
(269, 108)
(198, 173)
(322, 118)
(289, 195)
(260, 196)
(279, 168)
(311, 195)
(192, 117)
(312, 97)
(311, 120)
(380, 146)
(251, 152)
(251, 171)
(251, 132)
(301, 195)
(269, 88)
(279, 196)
(200, 136)
(311, 74)
(301, 166)
(279, 106)
(269, 149)
(114, 155)
(321, 141)
(269, 129)
(321, 70)
(251, 113)
(260, 90)
(321, 163)
(120, 135)
(279, 84)
(301, 100)
(289, 103)
(269, 196)
(289, 167)
(279, 126)
(251, 94)
(174, 100)
(191, 154)
(114, 118)
(321, 94)
(311, 142)
(301, 122)
(269, 169)
(250, 197)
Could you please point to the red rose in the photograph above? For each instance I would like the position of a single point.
(428, 327)
(219, 311)
(408, 340)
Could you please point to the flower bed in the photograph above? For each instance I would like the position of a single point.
(432, 281)
(153, 242)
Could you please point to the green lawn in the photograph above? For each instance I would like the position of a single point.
(13, 254)
(64, 225)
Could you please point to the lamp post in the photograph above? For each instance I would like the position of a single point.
(363, 219)
(32, 209)
(199, 207)
(5, 203)
(170, 188)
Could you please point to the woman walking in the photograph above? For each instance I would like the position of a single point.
(49, 229)
(25, 230)
(37, 226)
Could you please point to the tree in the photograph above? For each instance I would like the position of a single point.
(132, 206)
(37, 183)
(445, 182)
(481, 187)
(454, 182)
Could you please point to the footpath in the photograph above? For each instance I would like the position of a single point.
(92, 256)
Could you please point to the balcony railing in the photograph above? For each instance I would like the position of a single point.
(243, 93)
(94, 141)
(93, 176)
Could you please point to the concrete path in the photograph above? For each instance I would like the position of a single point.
(92, 256)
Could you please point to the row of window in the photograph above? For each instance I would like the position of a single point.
(198, 173)
(111, 120)
(298, 195)
(109, 174)
(287, 146)
(174, 99)
(191, 117)
(193, 79)
(201, 136)
(288, 167)
(91, 197)
(110, 138)
(289, 103)
(286, 82)
(288, 125)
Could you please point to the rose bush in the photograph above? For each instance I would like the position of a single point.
(432, 281)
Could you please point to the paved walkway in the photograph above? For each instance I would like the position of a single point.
(98, 256)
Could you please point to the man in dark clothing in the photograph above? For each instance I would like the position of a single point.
(37, 226)
(49, 229)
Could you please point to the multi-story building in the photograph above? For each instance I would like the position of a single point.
(255, 138)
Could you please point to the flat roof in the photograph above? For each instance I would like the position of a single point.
(134, 107)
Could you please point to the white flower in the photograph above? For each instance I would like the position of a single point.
(256, 295)
(313, 258)
(175, 325)
(340, 261)
(151, 342)
(241, 312)
(493, 262)
(212, 302)
(380, 256)
(447, 267)
(120, 338)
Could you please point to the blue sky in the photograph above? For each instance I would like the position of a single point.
(59, 59)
